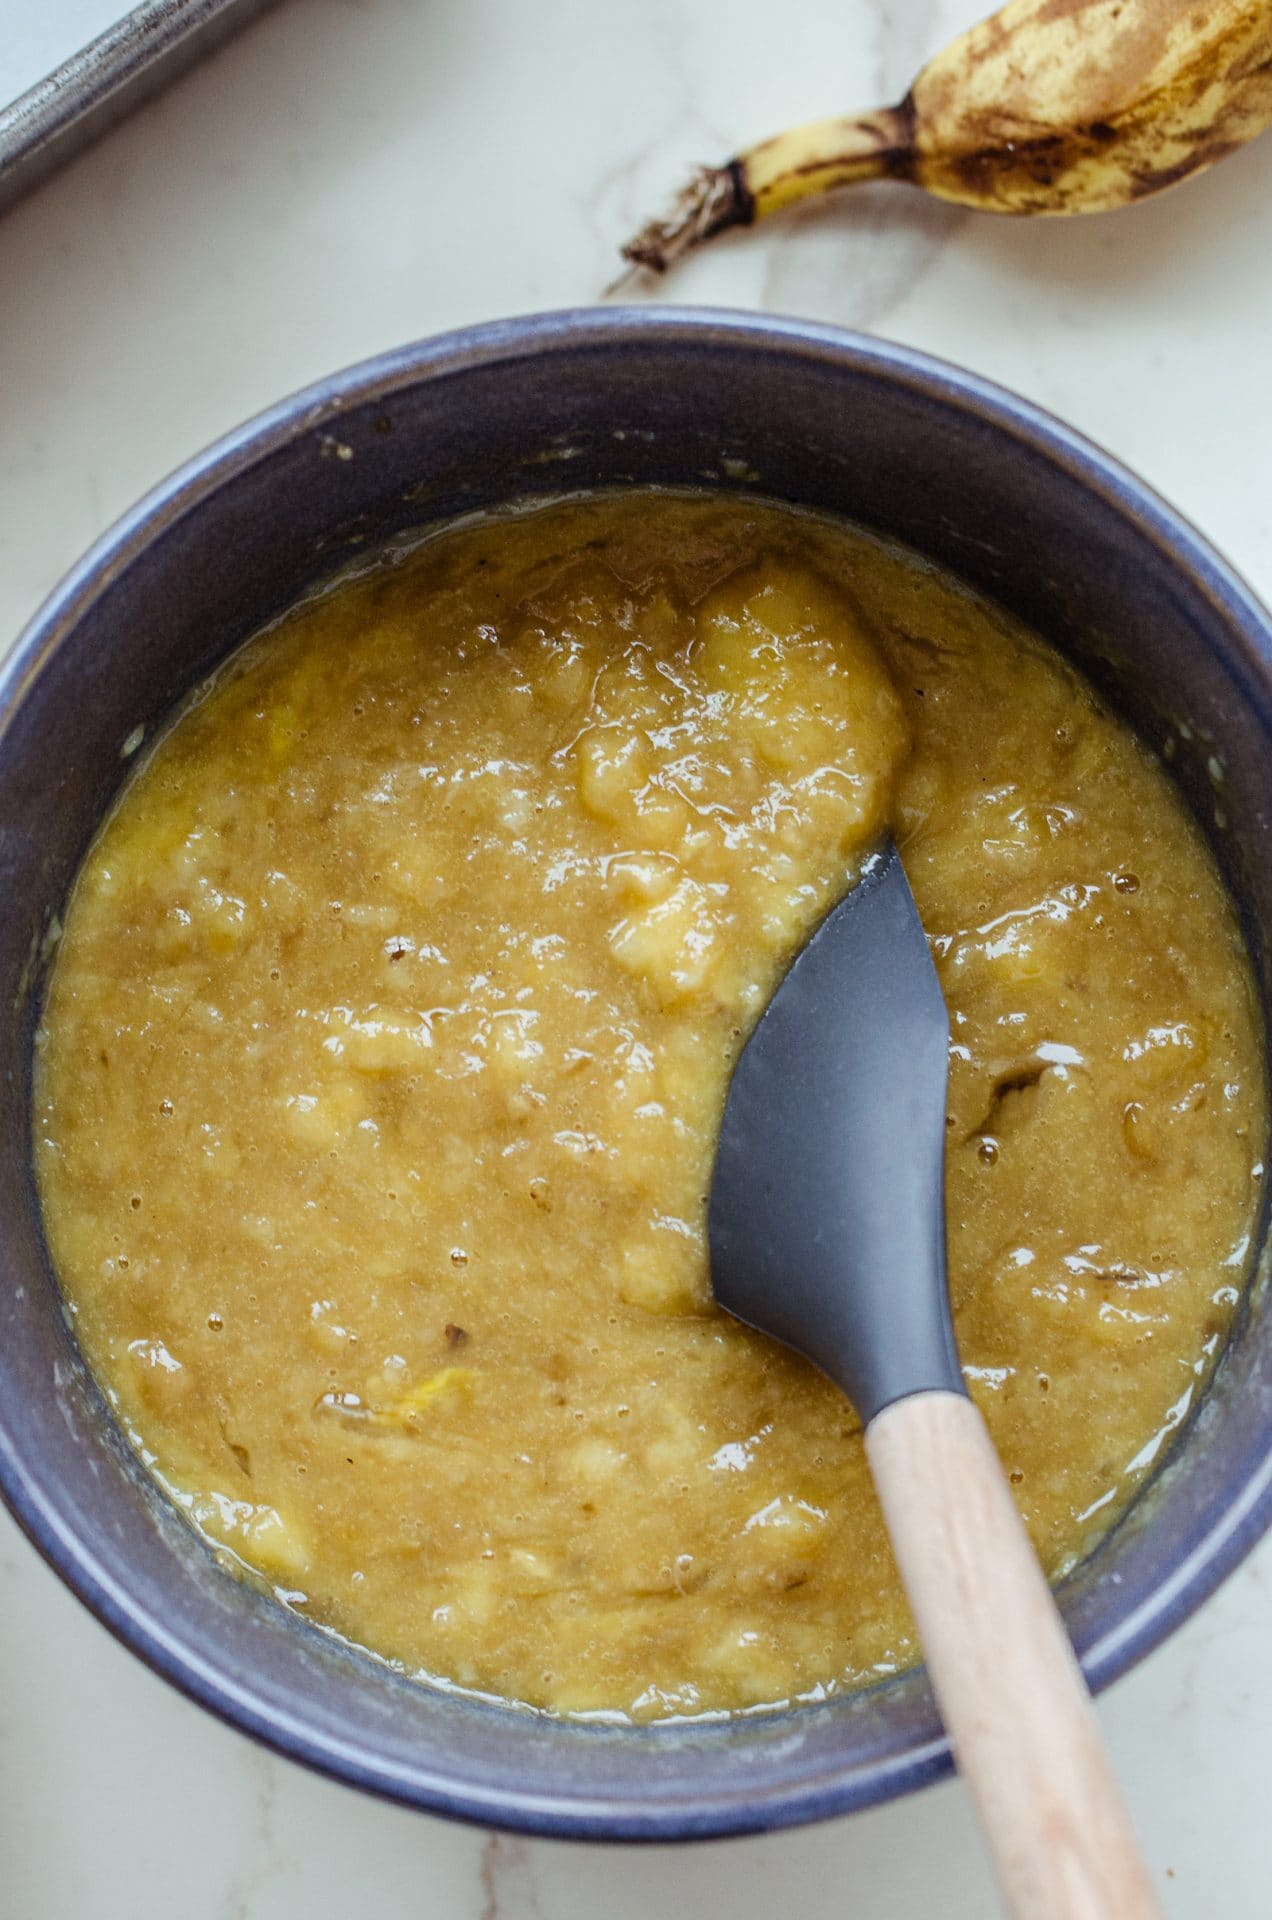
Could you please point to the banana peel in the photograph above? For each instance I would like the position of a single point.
(1048, 107)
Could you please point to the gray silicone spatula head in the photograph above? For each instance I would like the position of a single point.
(827, 1215)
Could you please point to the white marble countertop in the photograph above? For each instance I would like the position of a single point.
(348, 175)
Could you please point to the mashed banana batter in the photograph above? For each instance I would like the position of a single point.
(388, 1038)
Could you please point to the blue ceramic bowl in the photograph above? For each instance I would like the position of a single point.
(982, 483)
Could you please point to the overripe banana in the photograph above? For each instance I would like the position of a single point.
(1050, 106)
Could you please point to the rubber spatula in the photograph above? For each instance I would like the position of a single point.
(827, 1230)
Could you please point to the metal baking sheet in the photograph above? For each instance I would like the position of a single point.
(95, 86)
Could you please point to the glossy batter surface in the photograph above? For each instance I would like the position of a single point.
(389, 1032)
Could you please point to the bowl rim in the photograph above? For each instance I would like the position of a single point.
(38, 1507)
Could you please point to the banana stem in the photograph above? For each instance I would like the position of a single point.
(808, 160)
(714, 199)
(829, 153)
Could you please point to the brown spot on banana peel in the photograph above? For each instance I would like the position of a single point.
(1107, 68)
(1157, 180)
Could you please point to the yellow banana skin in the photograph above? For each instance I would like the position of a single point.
(1048, 107)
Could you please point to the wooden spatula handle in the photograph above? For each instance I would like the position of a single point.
(1010, 1691)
